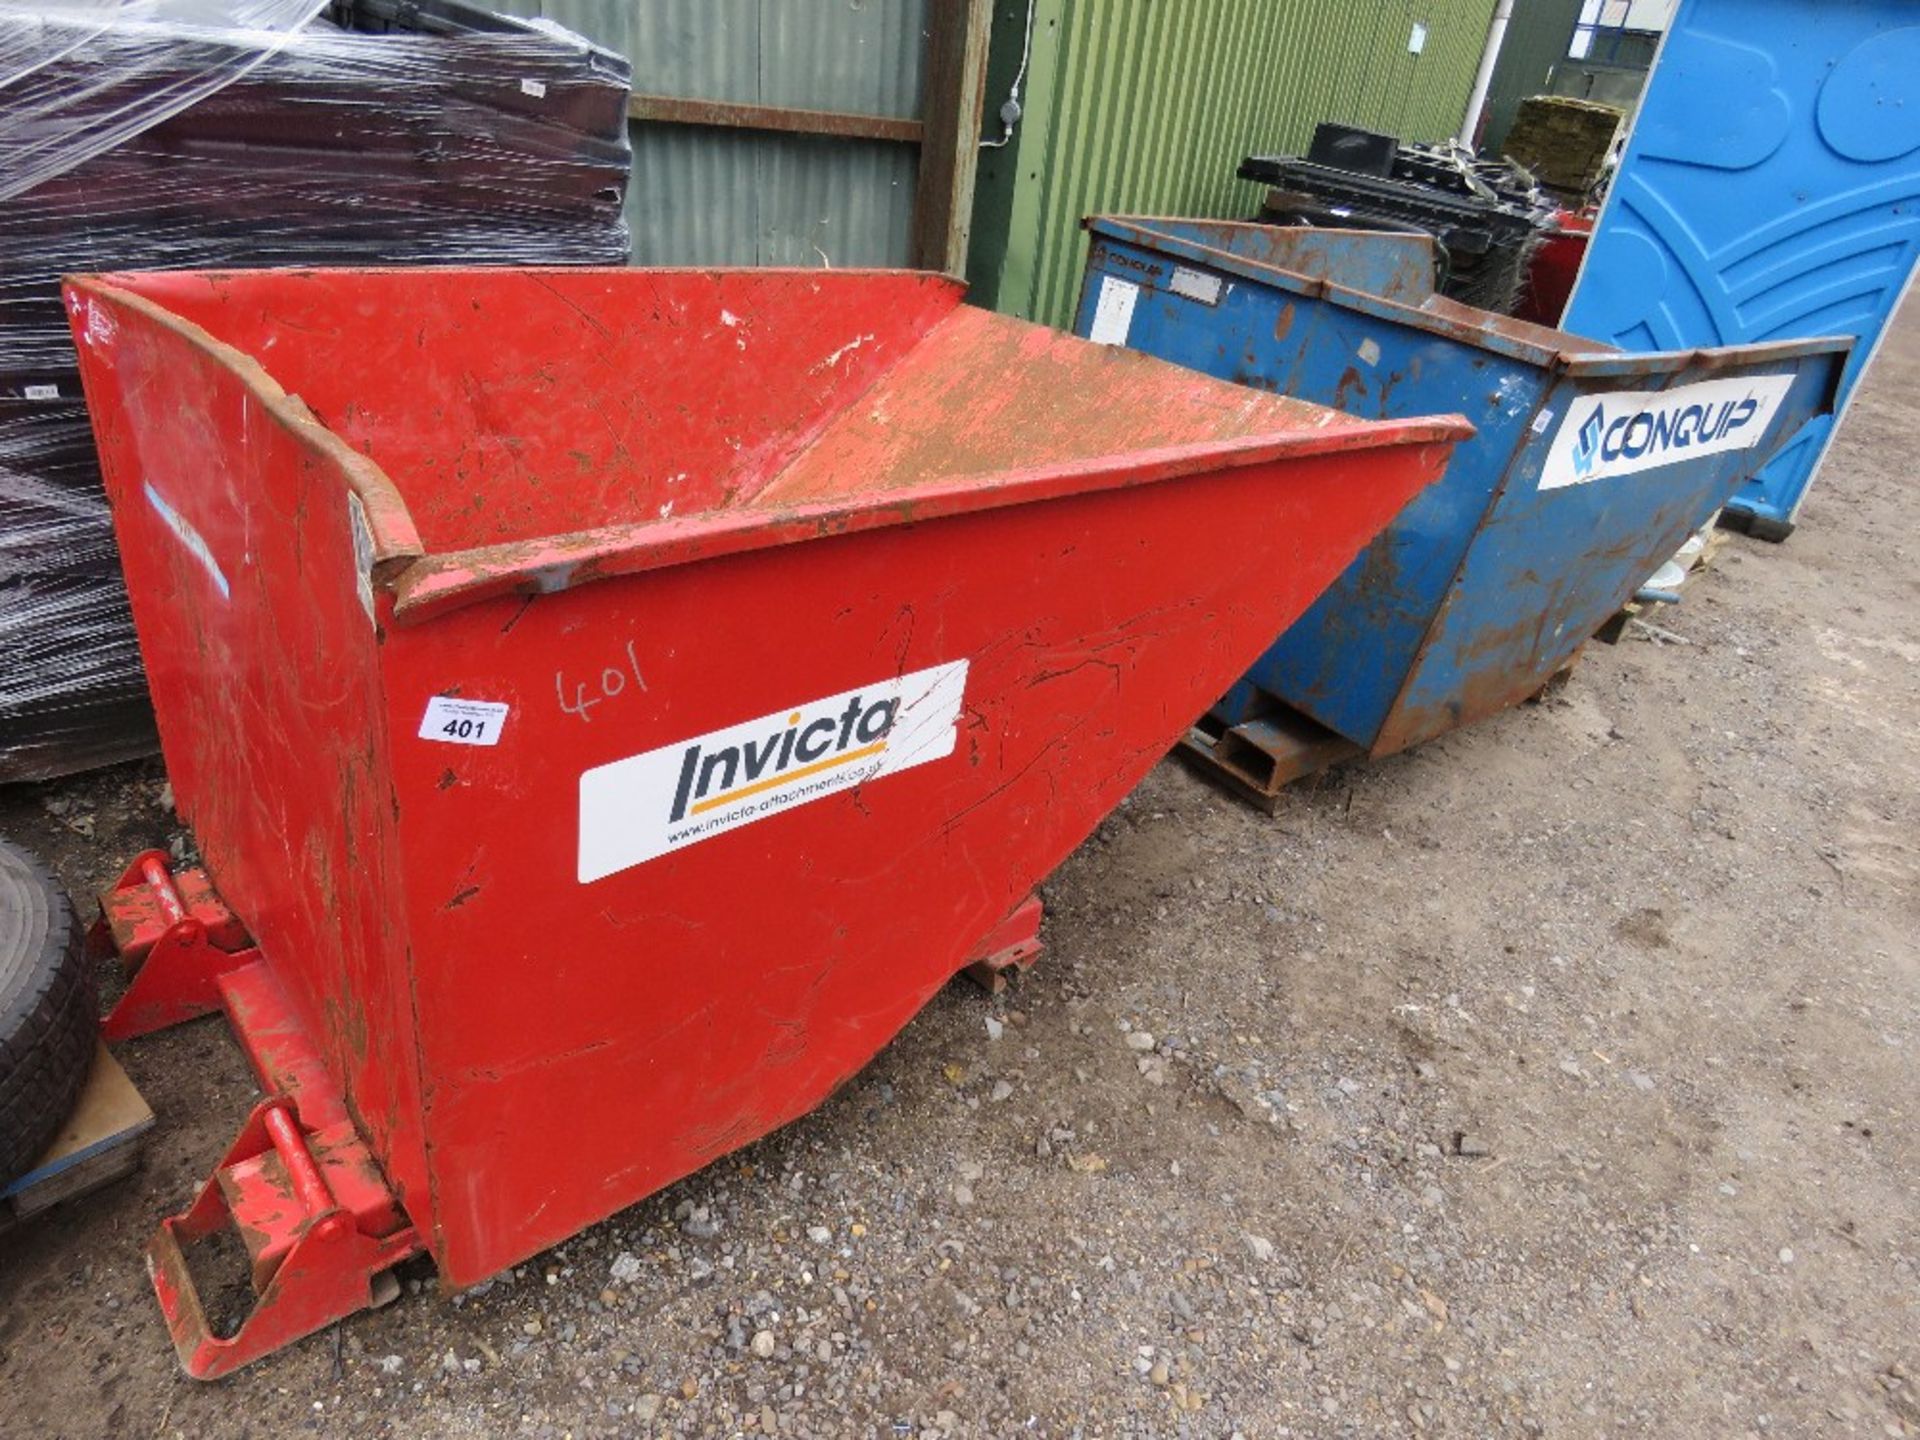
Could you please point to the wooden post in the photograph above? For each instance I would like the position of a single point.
(953, 94)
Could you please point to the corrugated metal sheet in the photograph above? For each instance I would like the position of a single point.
(1150, 105)
(704, 195)
(1536, 43)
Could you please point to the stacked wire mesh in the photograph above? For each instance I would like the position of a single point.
(373, 133)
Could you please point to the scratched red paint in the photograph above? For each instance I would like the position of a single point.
(634, 508)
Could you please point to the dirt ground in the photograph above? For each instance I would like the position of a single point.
(1554, 1079)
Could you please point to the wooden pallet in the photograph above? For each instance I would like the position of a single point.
(102, 1141)
(1616, 626)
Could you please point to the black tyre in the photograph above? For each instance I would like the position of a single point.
(47, 1015)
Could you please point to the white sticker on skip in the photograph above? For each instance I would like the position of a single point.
(634, 810)
(453, 721)
(42, 392)
(1113, 311)
(536, 88)
(362, 534)
(1626, 431)
(1195, 285)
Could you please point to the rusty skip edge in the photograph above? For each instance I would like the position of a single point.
(424, 585)
(1559, 350)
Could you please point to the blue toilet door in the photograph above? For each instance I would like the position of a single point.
(1770, 190)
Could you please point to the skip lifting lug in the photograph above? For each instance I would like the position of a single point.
(321, 1227)
(175, 940)
(1011, 946)
(311, 1218)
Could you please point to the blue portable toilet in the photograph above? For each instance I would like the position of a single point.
(1589, 468)
(1770, 189)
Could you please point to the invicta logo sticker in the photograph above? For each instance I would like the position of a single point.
(1626, 431)
(640, 808)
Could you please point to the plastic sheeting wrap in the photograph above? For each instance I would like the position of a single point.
(80, 77)
(168, 135)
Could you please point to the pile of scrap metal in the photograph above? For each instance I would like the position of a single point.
(1484, 216)
(280, 133)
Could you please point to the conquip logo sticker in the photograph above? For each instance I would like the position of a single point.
(634, 810)
(1627, 431)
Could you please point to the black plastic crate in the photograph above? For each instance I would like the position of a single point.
(1347, 147)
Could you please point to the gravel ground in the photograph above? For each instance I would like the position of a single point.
(1554, 1079)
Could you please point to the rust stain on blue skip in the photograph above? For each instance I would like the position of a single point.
(1487, 583)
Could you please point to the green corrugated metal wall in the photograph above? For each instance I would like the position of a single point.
(1536, 44)
(1150, 105)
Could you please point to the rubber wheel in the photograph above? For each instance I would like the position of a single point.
(47, 1011)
